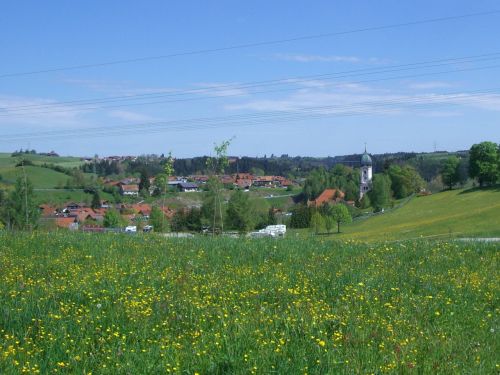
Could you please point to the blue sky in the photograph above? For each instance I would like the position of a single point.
(382, 101)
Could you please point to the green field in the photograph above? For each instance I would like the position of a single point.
(115, 304)
(42, 178)
(60, 196)
(456, 213)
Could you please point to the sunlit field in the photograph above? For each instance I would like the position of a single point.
(114, 304)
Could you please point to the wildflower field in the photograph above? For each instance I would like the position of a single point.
(114, 304)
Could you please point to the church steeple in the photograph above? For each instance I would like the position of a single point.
(365, 184)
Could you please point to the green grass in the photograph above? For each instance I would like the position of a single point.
(455, 213)
(58, 197)
(65, 161)
(114, 304)
(41, 178)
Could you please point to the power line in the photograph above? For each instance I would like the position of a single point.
(31, 114)
(251, 45)
(362, 108)
(286, 80)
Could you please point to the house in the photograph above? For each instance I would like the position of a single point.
(201, 179)
(66, 222)
(130, 190)
(327, 196)
(187, 187)
(243, 183)
(168, 212)
(74, 206)
(227, 180)
(47, 210)
(142, 209)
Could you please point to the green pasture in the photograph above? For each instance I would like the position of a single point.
(144, 304)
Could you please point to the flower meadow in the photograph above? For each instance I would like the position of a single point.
(117, 304)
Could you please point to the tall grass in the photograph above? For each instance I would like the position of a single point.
(114, 304)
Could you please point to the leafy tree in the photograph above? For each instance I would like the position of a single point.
(216, 166)
(168, 170)
(144, 183)
(239, 212)
(365, 202)
(450, 171)
(380, 195)
(341, 215)
(329, 223)
(271, 217)
(112, 219)
(157, 220)
(21, 210)
(212, 209)
(301, 216)
(317, 222)
(484, 163)
(257, 171)
(77, 179)
(405, 180)
(96, 200)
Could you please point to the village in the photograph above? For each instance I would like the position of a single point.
(134, 211)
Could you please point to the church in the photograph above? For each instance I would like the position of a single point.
(366, 175)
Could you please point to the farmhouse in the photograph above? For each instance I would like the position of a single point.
(187, 187)
(332, 196)
(131, 190)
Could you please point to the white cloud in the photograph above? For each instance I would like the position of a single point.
(316, 58)
(345, 100)
(130, 116)
(117, 87)
(37, 111)
(430, 85)
(220, 89)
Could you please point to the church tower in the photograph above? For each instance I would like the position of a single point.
(366, 174)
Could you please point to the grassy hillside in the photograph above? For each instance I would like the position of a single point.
(117, 304)
(41, 178)
(457, 213)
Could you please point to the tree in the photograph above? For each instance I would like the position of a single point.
(301, 216)
(22, 212)
(216, 166)
(405, 180)
(341, 215)
(365, 202)
(168, 171)
(317, 222)
(484, 163)
(380, 195)
(144, 183)
(271, 216)
(112, 219)
(239, 212)
(157, 220)
(450, 171)
(329, 223)
(96, 200)
(212, 208)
